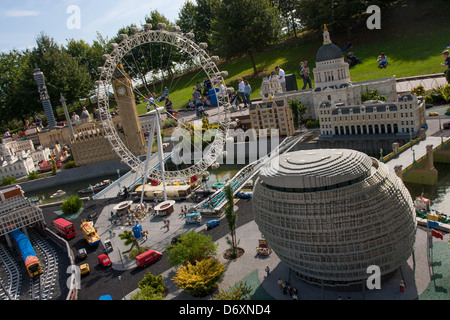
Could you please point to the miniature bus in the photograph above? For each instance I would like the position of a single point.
(64, 228)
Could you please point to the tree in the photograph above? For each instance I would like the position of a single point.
(298, 111)
(186, 17)
(54, 167)
(18, 93)
(192, 247)
(231, 217)
(288, 11)
(63, 74)
(337, 14)
(129, 239)
(71, 205)
(200, 279)
(244, 27)
(88, 56)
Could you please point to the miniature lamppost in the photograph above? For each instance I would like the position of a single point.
(123, 291)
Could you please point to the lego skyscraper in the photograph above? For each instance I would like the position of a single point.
(40, 80)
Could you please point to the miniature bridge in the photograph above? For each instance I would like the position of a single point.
(414, 162)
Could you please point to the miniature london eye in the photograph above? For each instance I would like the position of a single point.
(150, 57)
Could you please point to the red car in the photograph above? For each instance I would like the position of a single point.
(147, 258)
(104, 260)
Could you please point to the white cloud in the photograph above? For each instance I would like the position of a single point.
(19, 13)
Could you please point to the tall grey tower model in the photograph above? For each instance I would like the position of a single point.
(40, 80)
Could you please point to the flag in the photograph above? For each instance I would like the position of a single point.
(437, 234)
(433, 224)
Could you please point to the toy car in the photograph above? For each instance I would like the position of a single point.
(148, 258)
(212, 224)
(82, 254)
(244, 195)
(84, 269)
(104, 260)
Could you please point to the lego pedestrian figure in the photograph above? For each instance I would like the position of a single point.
(267, 270)
(167, 223)
(280, 283)
(402, 286)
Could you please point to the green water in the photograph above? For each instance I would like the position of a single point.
(439, 194)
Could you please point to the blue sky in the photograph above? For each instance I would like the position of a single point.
(21, 21)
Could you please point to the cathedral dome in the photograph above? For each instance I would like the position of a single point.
(328, 52)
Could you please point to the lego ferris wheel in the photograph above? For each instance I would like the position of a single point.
(144, 68)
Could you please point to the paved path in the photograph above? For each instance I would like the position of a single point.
(406, 84)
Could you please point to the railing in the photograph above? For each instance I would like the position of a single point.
(391, 155)
(417, 162)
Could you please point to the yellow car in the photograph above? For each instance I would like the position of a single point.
(84, 269)
(431, 114)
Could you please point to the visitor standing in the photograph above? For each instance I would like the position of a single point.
(168, 105)
(305, 75)
(446, 63)
(282, 77)
(247, 92)
(241, 91)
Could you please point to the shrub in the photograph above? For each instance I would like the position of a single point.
(372, 95)
(33, 176)
(71, 205)
(7, 181)
(151, 288)
(241, 291)
(201, 279)
(312, 124)
(418, 91)
(69, 165)
(170, 123)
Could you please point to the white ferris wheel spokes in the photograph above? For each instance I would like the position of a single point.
(199, 59)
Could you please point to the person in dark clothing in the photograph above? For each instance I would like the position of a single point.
(168, 105)
(352, 60)
(446, 63)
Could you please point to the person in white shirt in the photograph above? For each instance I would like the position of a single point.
(241, 90)
(282, 77)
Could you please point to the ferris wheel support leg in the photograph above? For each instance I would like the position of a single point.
(148, 156)
(160, 152)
